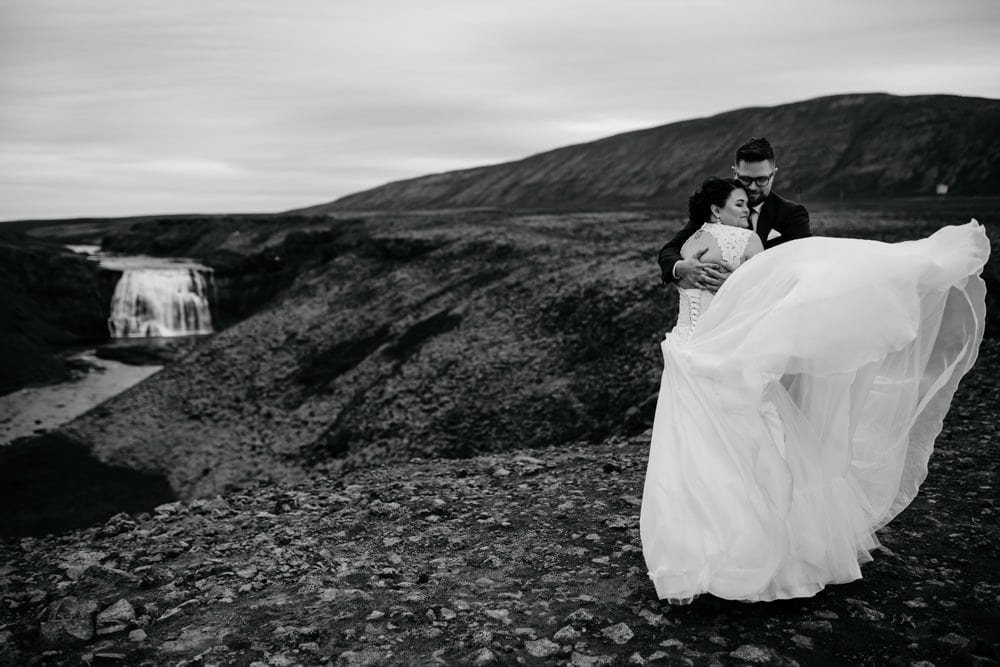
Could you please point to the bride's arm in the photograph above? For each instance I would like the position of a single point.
(702, 246)
(754, 246)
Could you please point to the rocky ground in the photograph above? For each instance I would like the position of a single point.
(524, 351)
(524, 557)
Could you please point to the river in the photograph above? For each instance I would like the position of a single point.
(34, 410)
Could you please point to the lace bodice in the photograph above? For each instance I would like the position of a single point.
(732, 242)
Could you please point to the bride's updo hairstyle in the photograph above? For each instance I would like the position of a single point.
(712, 191)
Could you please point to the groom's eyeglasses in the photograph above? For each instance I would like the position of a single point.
(761, 181)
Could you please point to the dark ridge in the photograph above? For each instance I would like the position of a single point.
(399, 247)
(52, 483)
(319, 370)
(410, 341)
(155, 352)
(481, 279)
(333, 443)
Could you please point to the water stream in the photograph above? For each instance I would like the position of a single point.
(157, 297)
(154, 298)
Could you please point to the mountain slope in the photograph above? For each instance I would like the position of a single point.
(845, 146)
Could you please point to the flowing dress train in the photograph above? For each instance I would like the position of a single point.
(798, 417)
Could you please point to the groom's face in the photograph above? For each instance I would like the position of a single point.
(752, 174)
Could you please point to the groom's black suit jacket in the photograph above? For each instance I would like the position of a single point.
(786, 218)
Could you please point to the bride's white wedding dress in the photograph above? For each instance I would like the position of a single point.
(797, 414)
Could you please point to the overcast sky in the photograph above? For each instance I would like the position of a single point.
(122, 107)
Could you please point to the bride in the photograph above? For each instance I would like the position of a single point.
(799, 405)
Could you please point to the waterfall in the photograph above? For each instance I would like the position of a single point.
(161, 302)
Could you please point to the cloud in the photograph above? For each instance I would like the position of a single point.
(137, 105)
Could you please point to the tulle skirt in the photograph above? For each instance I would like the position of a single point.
(800, 416)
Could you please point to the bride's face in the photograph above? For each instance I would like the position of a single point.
(736, 212)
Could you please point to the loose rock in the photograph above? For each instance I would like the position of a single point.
(752, 653)
(541, 648)
(619, 633)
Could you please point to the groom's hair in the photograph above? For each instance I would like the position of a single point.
(757, 149)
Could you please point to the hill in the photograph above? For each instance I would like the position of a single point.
(830, 148)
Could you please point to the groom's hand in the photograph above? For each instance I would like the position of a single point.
(714, 275)
(692, 273)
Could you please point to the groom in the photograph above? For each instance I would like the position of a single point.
(775, 220)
